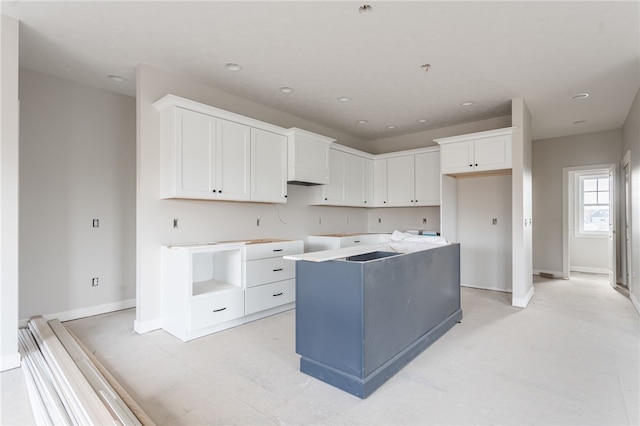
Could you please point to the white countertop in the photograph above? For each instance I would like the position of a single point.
(325, 255)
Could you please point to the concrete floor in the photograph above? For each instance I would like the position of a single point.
(570, 358)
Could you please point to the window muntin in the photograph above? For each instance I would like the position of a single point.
(593, 208)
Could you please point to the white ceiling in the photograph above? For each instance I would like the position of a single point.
(488, 52)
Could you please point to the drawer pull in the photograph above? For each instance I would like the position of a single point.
(278, 294)
(278, 270)
(277, 249)
(220, 310)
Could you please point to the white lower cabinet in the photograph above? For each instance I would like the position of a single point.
(269, 279)
(211, 287)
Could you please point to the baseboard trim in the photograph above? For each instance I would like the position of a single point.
(487, 288)
(88, 311)
(522, 302)
(9, 362)
(589, 270)
(555, 274)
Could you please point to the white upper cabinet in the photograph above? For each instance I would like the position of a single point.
(269, 167)
(379, 185)
(476, 152)
(400, 181)
(427, 179)
(212, 154)
(349, 183)
(233, 161)
(308, 157)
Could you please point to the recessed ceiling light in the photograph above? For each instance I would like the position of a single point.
(580, 96)
(422, 120)
(365, 9)
(233, 67)
(391, 127)
(580, 122)
(117, 78)
(362, 121)
(467, 103)
(344, 99)
(286, 89)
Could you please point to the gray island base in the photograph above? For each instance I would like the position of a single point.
(360, 319)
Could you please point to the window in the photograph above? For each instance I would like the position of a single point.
(593, 204)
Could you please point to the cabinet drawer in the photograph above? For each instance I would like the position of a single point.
(270, 295)
(277, 249)
(263, 271)
(216, 309)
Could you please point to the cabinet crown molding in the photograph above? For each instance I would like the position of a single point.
(477, 135)
(170, 100)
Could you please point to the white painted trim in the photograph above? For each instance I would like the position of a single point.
(142, 327)
(635, 302)
(523, 302)
(89, 311)
(589, 270)
(9, 362)
(477, 135)
(502, 290)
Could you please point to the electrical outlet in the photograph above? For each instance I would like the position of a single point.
(347, 221)
(94, 282)
(379, 220)
(96, 223)
(257, 222)
(424, 220)
(320, 221)
(175, 223)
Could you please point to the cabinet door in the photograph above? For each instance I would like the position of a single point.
(456, 157)
(400, 181)
(334, 191)
(233, 163)
(354, 180)
(493, 153)
(195, 154)
(268, 167)
(427, 180)
(380, 183)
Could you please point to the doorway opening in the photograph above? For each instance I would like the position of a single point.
(589, 223)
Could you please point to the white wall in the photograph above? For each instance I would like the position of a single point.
(549, 157)
(631, 142)
(485, 248)
(9, 125)
(77, 163)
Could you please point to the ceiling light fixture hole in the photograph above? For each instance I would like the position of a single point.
(233, 67)
(117, 78)
(365, 9)
(286, 89)
(579, 96)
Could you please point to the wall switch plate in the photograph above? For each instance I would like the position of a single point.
(96, 223)
(175, 223)
(379, 220)
(94, 282)
(424, 220)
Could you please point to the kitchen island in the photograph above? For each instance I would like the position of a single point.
(363, 313)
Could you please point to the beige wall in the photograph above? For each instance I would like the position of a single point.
(77, 163)
(550, 156)
(9, 126)
(631, 142)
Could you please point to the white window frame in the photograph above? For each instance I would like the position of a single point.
(579, 204)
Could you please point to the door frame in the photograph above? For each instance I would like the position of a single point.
(625, 221)
(568, 211)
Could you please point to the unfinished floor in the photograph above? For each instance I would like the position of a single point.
(570, 358)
